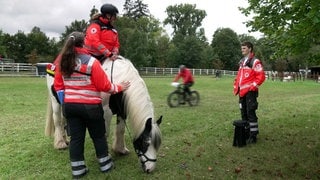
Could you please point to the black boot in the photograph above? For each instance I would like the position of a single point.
(106, 164)
(79, 169)
(252, 138)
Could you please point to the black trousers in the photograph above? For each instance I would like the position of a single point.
(248, 106)
(186, 87)
(79, 118)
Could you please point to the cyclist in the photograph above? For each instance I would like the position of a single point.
(187, 77)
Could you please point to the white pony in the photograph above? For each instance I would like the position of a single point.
(134, 105)
(55, 122)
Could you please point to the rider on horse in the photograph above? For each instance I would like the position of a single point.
(101, 37)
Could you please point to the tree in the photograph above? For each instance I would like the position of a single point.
(135, 9)
(3, 47)
(188, 36)
(33, 57)
(185, 19)
(161, 52)
(139, 34)
(226, 45)
(93, 11)
(16, 45)
(38, 46)
(74, 26)
(294, 25)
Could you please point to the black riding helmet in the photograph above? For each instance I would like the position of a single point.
(109, 9)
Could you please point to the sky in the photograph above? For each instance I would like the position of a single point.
(53, 16)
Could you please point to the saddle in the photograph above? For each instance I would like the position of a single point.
(116, 104)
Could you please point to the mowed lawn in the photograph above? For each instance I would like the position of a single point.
(196, 141)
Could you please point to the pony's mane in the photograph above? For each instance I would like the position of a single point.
(139, 106)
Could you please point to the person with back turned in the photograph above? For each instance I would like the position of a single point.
(79, 80)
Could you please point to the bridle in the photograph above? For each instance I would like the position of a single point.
(139, 153)
(141, 149)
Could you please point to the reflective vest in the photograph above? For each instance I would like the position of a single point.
(86, 82)
(250, 76)
(78, 87)
(101, 39)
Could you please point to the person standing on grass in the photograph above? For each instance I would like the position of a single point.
(250, 76)
(79, 80)
(187, 77)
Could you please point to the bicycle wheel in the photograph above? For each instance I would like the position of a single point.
(173, 99)
(194, 99)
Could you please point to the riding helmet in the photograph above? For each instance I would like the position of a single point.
(182, 66)
(109, 9)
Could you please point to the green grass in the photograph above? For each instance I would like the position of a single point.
(194, 138)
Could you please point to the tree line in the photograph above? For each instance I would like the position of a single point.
(290, 42)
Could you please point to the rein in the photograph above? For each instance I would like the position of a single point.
(125, 122)
(138, 152)
(112, 72)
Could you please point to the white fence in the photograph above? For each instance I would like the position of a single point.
(18, 69)
(27, 69)
(154, 71)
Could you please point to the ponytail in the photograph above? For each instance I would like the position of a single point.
(68, 53)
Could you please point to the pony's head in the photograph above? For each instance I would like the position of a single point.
(148, 144)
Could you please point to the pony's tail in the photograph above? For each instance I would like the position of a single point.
(49, 129)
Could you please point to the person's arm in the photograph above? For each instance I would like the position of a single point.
(177, 77)
(116, 47)
(236, 83)
(58, 85)
(259, 75)
(58, 80)
(93, 40)
(101, 81)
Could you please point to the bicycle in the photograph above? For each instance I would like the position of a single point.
(179, 97)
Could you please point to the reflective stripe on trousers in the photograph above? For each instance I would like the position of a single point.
(78, 168)
(105, 163)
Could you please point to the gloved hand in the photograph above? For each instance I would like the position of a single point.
(125, 85)
(114, 57)
(60, 94)
(115, 51)
(253, 88)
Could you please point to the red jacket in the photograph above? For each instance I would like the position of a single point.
(186, 76)
(101, 38)
(248, 78)
(86, 83)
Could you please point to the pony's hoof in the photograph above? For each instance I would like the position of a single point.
(61, 146)
(123, 152)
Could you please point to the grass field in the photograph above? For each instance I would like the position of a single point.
(197, 141)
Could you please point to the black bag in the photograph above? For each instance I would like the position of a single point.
(241, 133)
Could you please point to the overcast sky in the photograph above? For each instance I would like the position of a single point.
(51, 16)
